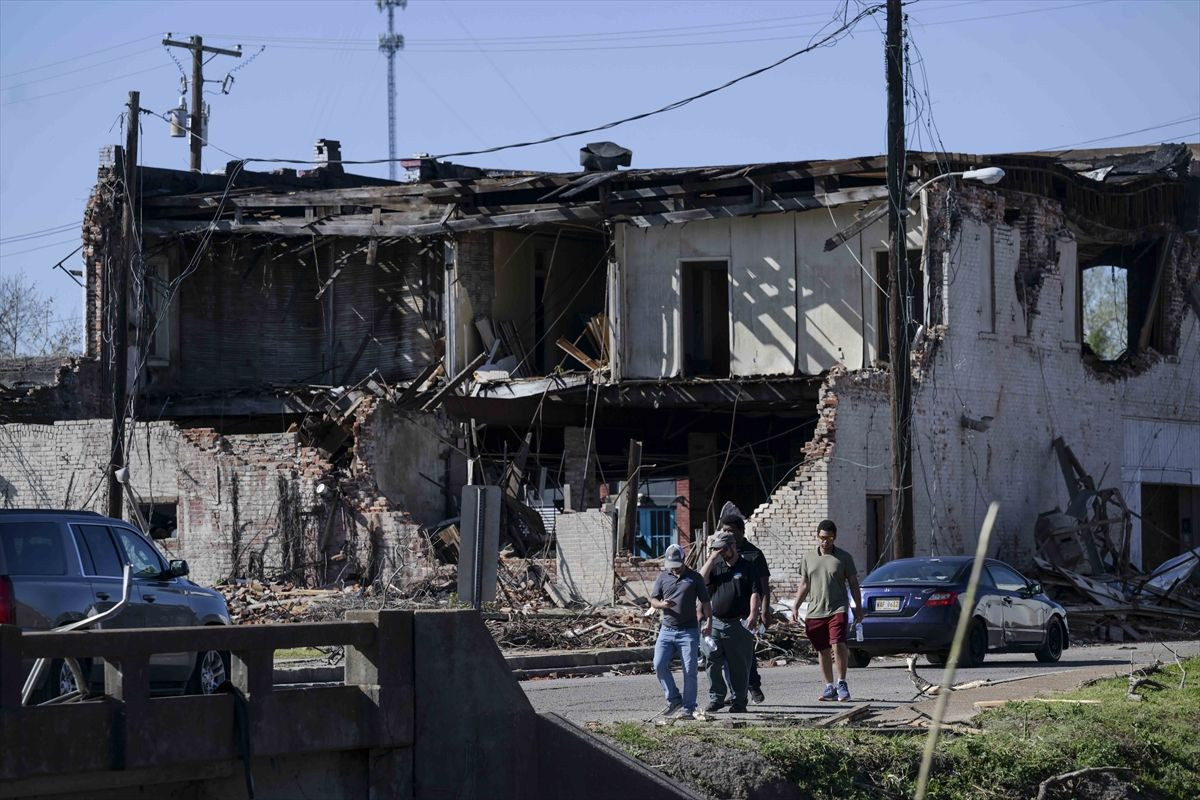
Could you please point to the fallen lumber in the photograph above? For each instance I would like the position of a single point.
(1001, 703)
(848, 715)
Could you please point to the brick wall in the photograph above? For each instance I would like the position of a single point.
(247, 505)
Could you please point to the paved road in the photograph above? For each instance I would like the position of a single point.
(792, 690)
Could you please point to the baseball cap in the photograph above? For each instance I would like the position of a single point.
(720, 540)
(673, 557)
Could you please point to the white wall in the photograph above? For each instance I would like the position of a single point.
(793, 306)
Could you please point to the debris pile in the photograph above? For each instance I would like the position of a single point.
(1084, 564)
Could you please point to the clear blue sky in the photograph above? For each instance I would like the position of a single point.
(1002, 75)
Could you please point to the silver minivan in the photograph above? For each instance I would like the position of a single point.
(58, 567)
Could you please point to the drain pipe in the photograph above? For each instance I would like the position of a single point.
(40, 665)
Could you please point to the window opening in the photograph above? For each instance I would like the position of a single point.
(162, 519)
(1106, 311)
(705, 318)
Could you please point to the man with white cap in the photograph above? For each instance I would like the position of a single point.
(675, 593)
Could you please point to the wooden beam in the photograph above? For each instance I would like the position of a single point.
(454, 382)
(628, 501)
(849, 715)
(577, 354)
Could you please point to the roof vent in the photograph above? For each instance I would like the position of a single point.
(604, 156)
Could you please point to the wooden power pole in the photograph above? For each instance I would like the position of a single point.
(196, 123)
(899, 293)
(119, 297)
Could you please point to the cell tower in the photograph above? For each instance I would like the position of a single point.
(389, 43)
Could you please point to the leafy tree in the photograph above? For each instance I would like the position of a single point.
(1106, 311)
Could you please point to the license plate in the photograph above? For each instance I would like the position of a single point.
(887, 603)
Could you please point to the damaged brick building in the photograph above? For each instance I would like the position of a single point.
(323, 360)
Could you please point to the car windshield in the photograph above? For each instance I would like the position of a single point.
(926, 570)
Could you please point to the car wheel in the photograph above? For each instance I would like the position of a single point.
(938, 659)
(859, 659)
(212, 669)
(975, 648)
(60, 681)
(1052, 652)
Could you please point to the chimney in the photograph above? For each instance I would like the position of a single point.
(329, 155)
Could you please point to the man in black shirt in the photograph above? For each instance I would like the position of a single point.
(733, 521)
(733, 585)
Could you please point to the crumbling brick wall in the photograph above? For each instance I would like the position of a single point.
(1022, 367)
(247, 505)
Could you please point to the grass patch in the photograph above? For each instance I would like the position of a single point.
(633, 738)
(1158, 739)
(297, 653)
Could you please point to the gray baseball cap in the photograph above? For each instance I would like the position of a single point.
(673, 557)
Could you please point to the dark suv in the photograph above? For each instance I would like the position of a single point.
(57, 567)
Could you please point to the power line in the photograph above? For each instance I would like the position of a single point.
(82, 86)
(825, 40)
(20, 237)
(1170, 124)
(34, 249)
(76, 58)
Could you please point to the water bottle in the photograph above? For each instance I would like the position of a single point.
(708, 645)
(858, 632)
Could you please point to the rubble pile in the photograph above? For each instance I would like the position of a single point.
(1085, 564)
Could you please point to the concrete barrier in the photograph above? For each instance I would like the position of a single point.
(428, 710)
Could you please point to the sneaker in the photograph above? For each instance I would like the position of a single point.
(828, 695)
(685, 714)
(671, 709)
(714, 705)
(843, 691)
(737, 710)
(756, 695)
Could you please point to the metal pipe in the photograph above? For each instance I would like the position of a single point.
(40, 665)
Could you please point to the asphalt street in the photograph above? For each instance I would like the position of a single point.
(792, 690)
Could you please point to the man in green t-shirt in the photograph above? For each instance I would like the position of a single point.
(824, 574)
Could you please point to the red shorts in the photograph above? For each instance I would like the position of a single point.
(824, 630)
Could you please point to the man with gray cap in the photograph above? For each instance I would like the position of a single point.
(675, 593)
(734, 587)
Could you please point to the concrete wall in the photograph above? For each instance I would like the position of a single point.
(585, 556)
(1023, 367)
(794, 308)
(429, 711)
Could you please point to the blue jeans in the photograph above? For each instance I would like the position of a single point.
(686, 643)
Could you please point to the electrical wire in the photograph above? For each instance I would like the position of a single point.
(1170, 124)
(80, 56)
(824, 41)
(57, 229)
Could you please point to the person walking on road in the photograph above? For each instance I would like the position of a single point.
(824, 575)
(733, 521)
(676, 592)
(733, 584)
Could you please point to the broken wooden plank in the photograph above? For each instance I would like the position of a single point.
(1001, 703)
(454, 382)
(848, 715)
(577, 354)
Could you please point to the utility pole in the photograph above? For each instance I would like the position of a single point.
(389, 43)
(196, 45)
(118, 295)
(899, 291)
